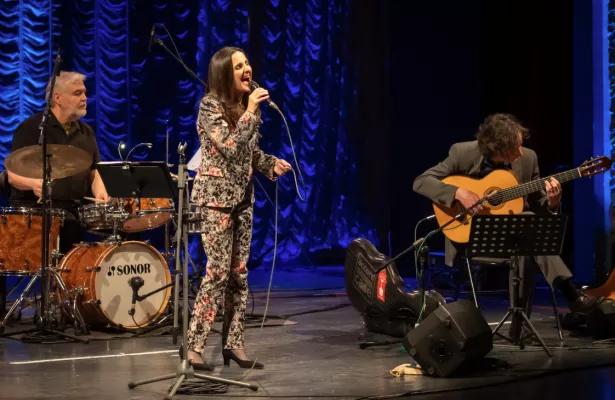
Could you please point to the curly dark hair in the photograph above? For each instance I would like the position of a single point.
(499, 134)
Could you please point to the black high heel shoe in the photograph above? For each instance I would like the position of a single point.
(228, 355)
(197, 366)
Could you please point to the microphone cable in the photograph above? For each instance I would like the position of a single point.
(275, 237)
(420, 247)
(292, 148)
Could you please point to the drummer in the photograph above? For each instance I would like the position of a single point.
(64, 127)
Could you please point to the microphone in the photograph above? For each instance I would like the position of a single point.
(253, 85)
(151, 39)
(135, 283)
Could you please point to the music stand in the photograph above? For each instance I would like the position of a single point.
(137, 179)
(502, 236)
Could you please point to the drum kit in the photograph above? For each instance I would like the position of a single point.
(95, 284)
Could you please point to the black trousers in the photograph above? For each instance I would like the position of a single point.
(553, 268)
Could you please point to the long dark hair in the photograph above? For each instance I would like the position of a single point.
(221, 82)
(499, 134)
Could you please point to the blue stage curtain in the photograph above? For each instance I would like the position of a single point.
(609, 108)
(299, 52)
(26, 50)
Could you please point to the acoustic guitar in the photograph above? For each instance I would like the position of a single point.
(503, 194)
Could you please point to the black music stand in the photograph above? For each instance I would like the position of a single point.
(502, 236)
(137, 179)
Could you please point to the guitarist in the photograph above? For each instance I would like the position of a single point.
(499, 145)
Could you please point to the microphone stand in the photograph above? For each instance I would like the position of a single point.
(419, 242)
(138, 298)
(440, 229)
(185, 371)
(159, 42)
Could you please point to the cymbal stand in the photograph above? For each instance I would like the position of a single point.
(44, 330)
(184, 370)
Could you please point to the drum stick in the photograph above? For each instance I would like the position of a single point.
(93, 199)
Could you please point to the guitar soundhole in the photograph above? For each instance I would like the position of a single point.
(495, 201)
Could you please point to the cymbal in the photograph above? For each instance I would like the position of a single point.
(65, 161)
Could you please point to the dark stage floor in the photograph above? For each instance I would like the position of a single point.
(316, 357)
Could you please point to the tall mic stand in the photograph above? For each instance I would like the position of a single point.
(185, 371)
(44, 331)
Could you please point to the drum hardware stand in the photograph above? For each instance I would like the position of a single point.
(78, 321)
(9, 294)
(184, 370)
(80, 325)
(115, 237)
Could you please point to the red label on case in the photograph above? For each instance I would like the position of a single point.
(382, 284)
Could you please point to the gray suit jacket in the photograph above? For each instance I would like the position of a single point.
(466, 159)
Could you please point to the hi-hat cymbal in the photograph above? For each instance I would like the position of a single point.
(65, 161)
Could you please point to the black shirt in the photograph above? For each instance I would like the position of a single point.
(66, 192)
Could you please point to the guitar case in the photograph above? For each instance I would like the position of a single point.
(380, 296)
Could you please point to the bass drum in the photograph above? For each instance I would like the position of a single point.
(100, 274)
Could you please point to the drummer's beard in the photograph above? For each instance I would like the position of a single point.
(80, 112)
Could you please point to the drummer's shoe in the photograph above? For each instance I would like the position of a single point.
(197, 363)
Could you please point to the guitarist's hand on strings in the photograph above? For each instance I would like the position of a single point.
(467, 200)
(554, 193)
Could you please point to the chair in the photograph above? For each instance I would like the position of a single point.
(476, 269)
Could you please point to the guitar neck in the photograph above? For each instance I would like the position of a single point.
(534, 186)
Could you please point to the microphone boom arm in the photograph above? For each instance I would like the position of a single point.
(459, 217)
(191, 72)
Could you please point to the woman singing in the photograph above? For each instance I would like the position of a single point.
(227, 125)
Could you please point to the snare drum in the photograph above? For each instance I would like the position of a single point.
(21, 231)
(147, 213)
(97, 217)
(100, 274)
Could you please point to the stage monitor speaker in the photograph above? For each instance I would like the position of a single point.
(454, 335)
